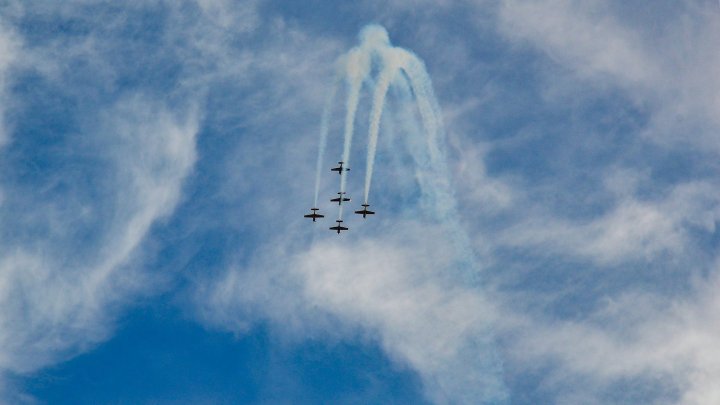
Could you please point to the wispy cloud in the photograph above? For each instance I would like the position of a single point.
(609, 204)
(9, 48)
(76, 204)
(670, 69)
(668, 343)
(586, 37)
(633, 229)
(59, 292)
(384, 289)
(396, 290)
(635, 237)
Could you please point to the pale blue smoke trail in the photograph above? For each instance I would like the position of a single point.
(437, 190)
(430, 114)
(438, 199)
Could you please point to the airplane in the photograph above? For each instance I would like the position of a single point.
(338, 227)
(340, 200)
(340, 168)
(314, 214)
(365, 212)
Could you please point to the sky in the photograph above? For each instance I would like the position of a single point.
(551, 238)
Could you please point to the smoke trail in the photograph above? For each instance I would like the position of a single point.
(432, 173)
(381, 89)
(435, 185)
(352, 103)
(356, 69)
(324, 125)
(397, 59)
(429, 110)
(439, 199)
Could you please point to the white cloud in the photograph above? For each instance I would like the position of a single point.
(440, 330)
(398, 296)
(665, 57)
(77, 259)
(632, 229)
(395, 290)
(671, 342)
(60, 294)
(487, 194)
(72, 255)
(585, 36)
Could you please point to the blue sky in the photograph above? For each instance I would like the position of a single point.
(156, 158)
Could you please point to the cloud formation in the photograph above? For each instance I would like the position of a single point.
(658, 57)
(583, 139)
(636, 220)
(60, 285)
(82, 185)
(396, 290)
(9, 47)
(666, 347)
(632, 316)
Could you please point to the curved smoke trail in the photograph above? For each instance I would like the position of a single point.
(435, 185)
(434, 174)
(381, 89)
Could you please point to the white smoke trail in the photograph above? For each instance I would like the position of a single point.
(352, 103)
(432, 172)
(381, 88)
(357, 68)
(324, 127)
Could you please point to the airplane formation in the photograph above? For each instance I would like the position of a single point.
(341, 198)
